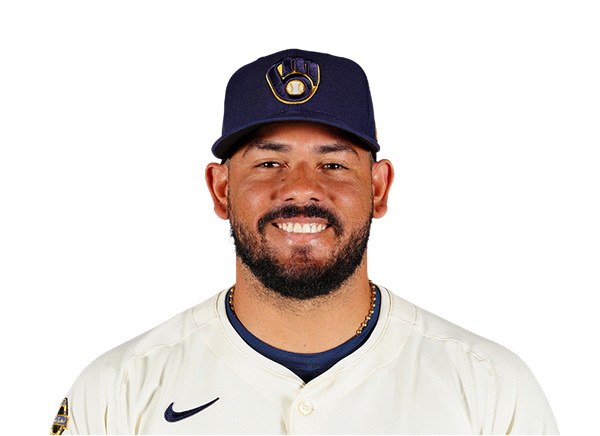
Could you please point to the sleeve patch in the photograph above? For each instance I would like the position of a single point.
(61, 422)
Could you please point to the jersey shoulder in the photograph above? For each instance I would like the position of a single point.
(492, 371)
(165, 335)
(432, 328)
(102, 386)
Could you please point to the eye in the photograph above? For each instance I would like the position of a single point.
(268, 165)
(333, 166)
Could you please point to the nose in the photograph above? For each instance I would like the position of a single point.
(301, 185)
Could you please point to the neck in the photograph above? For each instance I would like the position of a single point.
(302, 326)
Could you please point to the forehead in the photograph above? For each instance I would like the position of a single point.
(300, 135)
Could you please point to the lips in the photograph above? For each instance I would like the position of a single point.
(296, 219)
(301, 228)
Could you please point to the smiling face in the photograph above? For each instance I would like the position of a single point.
(300, 199)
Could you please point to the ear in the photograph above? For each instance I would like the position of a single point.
(382, 177)
(216, 180)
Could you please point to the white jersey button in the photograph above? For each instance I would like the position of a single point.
(305, 407)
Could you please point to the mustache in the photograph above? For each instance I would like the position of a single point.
(309, 211)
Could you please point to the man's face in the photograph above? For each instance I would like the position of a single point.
(300, 204)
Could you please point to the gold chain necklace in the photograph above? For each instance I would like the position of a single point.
(362, 326)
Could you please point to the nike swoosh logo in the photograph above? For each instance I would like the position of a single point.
(172, 416)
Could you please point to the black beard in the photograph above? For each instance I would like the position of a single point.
(304, 278)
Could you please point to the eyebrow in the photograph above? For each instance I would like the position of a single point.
(261, 144)
(335, 147)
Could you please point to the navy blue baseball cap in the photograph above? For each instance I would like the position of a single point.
(297, 85)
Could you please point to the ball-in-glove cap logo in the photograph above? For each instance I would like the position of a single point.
(294, 80)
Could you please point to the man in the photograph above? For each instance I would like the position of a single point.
(304, 342)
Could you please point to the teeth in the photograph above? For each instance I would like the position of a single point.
(299, 228)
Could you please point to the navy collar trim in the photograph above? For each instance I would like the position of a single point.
(306, 365)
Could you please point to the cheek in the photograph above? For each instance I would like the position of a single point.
(353, 206)
(353, 200)
(252, 189)
(250, 201)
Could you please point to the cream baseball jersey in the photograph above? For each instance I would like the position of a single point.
(416, 374)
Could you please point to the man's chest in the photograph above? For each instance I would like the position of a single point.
(228, 404)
